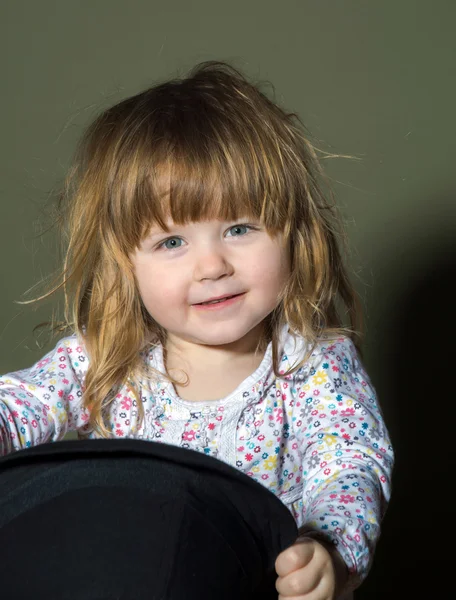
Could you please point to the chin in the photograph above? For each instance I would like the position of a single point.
(223, 338)
(218, 340)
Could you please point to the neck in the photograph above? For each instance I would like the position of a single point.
(196, 356)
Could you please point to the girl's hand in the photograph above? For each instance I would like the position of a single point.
(310, 570)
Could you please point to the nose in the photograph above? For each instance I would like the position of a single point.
(211, 262)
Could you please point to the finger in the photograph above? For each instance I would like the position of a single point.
(317, 594)
(322, 591)
(295, 557)
(299, 583)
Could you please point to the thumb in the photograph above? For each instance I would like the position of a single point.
(295, 557)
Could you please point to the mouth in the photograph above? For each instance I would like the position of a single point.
(219, 303)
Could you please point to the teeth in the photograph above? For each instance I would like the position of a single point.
(217, 301)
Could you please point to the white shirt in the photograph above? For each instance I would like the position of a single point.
(316, 439)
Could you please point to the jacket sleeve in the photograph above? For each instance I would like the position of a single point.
(346, 453)
(42, 403)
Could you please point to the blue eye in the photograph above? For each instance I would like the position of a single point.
(166, 243)
(173, 239)
(240, 227)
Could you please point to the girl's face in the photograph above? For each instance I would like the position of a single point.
(197, 262)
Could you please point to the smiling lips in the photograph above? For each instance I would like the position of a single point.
(217, 299)
(220, 302)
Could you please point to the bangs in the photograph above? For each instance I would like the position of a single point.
(186, 191)
(204, 180)
(197, 162)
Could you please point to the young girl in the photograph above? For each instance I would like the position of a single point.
(203, 290)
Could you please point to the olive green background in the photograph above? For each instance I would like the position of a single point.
(373, 79)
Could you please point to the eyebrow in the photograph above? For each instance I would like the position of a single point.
(157, 231)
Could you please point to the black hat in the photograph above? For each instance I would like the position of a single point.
(133, 520)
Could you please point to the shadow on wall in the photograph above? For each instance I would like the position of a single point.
(416, 549)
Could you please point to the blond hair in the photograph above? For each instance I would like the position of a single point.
(227, 150)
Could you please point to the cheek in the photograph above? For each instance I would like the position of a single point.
(146, 279)
(273, 268)
(158, 287)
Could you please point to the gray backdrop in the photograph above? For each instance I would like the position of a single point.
(371, 79)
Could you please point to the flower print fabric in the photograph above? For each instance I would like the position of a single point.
(315, 438)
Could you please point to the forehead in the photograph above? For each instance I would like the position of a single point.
(203, 224)
(180, 198)
(178, 191)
